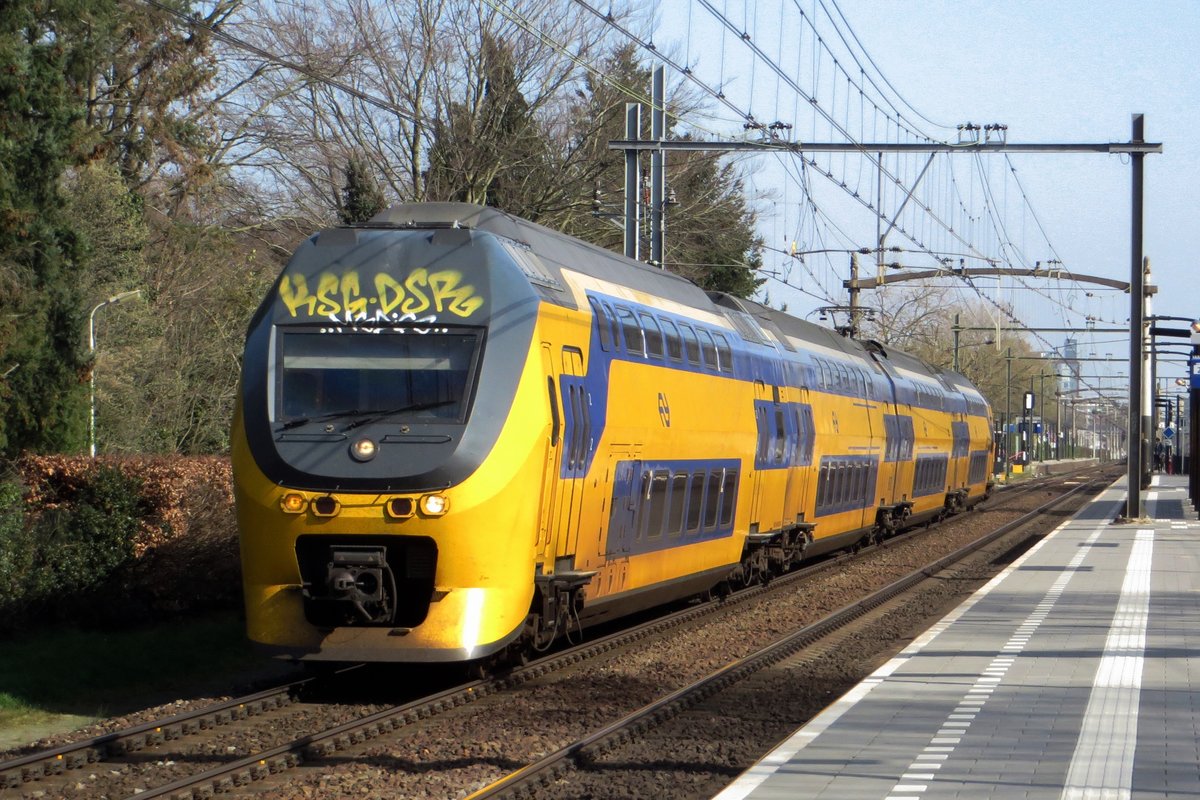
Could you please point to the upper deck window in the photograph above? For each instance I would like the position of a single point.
(708, 349)
(691, 345)
(724, 352)
(674, 344)
(604, 324)
(635, 343)
(653, 335)
(402, 376)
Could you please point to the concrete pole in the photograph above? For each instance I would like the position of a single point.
(633, 127)
(956, 330)
(1148, 429)
(658, 166)
(1008, 415)
(1137, 299)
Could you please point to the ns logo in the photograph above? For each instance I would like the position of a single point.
(664, 410)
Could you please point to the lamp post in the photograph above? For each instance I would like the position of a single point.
(116, 298)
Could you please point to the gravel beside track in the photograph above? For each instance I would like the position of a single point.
(467, 747)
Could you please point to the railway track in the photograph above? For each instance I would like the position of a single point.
(179, 744)
(563, 772)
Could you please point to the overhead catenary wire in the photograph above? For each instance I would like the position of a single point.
(843, 116)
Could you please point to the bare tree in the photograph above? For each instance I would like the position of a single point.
(921, 322)
(419, 60)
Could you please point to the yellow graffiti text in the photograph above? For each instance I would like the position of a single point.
(339, 295)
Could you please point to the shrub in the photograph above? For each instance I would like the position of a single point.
(57, 559)
(16, 549)
(81, 544)
(113, 542)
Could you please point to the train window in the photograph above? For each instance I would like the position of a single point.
(810, 433)
(655, 499)
(575, 446)
(961, 437)
(728, 497)
(724, 353)
(764, 437)
(712, 500)
(679, 481)
(708, 350)
(906, 438)
(691, 345)
(599, 313)
(555, 420)
(780, 437)
(695, 502)
(635, 343)
(823, 487)
(654, 337)
(393, 375)
(791, 434)
(674, 344)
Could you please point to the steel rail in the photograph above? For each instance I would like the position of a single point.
(592, 745)
(52, 762)
(79, 754)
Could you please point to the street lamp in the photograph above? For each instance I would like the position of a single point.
(116, 298)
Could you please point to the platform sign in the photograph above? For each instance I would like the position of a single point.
(1194, 369)
(1168, 433)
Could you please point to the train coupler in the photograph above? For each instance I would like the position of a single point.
(558, 599)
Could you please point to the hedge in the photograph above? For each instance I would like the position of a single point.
(114, 541)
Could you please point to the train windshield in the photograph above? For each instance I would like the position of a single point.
(404, 376)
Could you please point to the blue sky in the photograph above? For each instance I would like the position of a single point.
(1064, 71)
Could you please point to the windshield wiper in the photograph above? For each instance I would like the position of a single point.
(375, 416)
(298, 421)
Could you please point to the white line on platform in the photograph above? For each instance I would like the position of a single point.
(1102, 767)
(752, 778)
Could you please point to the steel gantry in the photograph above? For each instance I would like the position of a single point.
(1136, 149)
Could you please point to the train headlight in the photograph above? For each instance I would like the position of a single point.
(293, 503)
(363, 450)
(325, 506)
(400, 507)
(434, 505)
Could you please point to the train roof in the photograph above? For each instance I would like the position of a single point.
(559, 251)
(555, 250)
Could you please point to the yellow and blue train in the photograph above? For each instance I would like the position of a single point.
(461, 435)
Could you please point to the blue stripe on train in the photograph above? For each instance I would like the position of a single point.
(657, 505)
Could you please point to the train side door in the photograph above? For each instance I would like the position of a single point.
(572, 452)
(577, 441)
(800, 469)
(552, 483)
(890, 405)
(622, 517)
(762, 426)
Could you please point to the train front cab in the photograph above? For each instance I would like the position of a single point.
(348, 558)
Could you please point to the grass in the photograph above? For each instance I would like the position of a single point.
(94, 674)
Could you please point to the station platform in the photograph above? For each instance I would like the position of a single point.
(1073, 675)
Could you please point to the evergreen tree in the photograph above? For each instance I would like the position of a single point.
(710, 235)
(361, 196)
(45, 53)
(490, 150)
